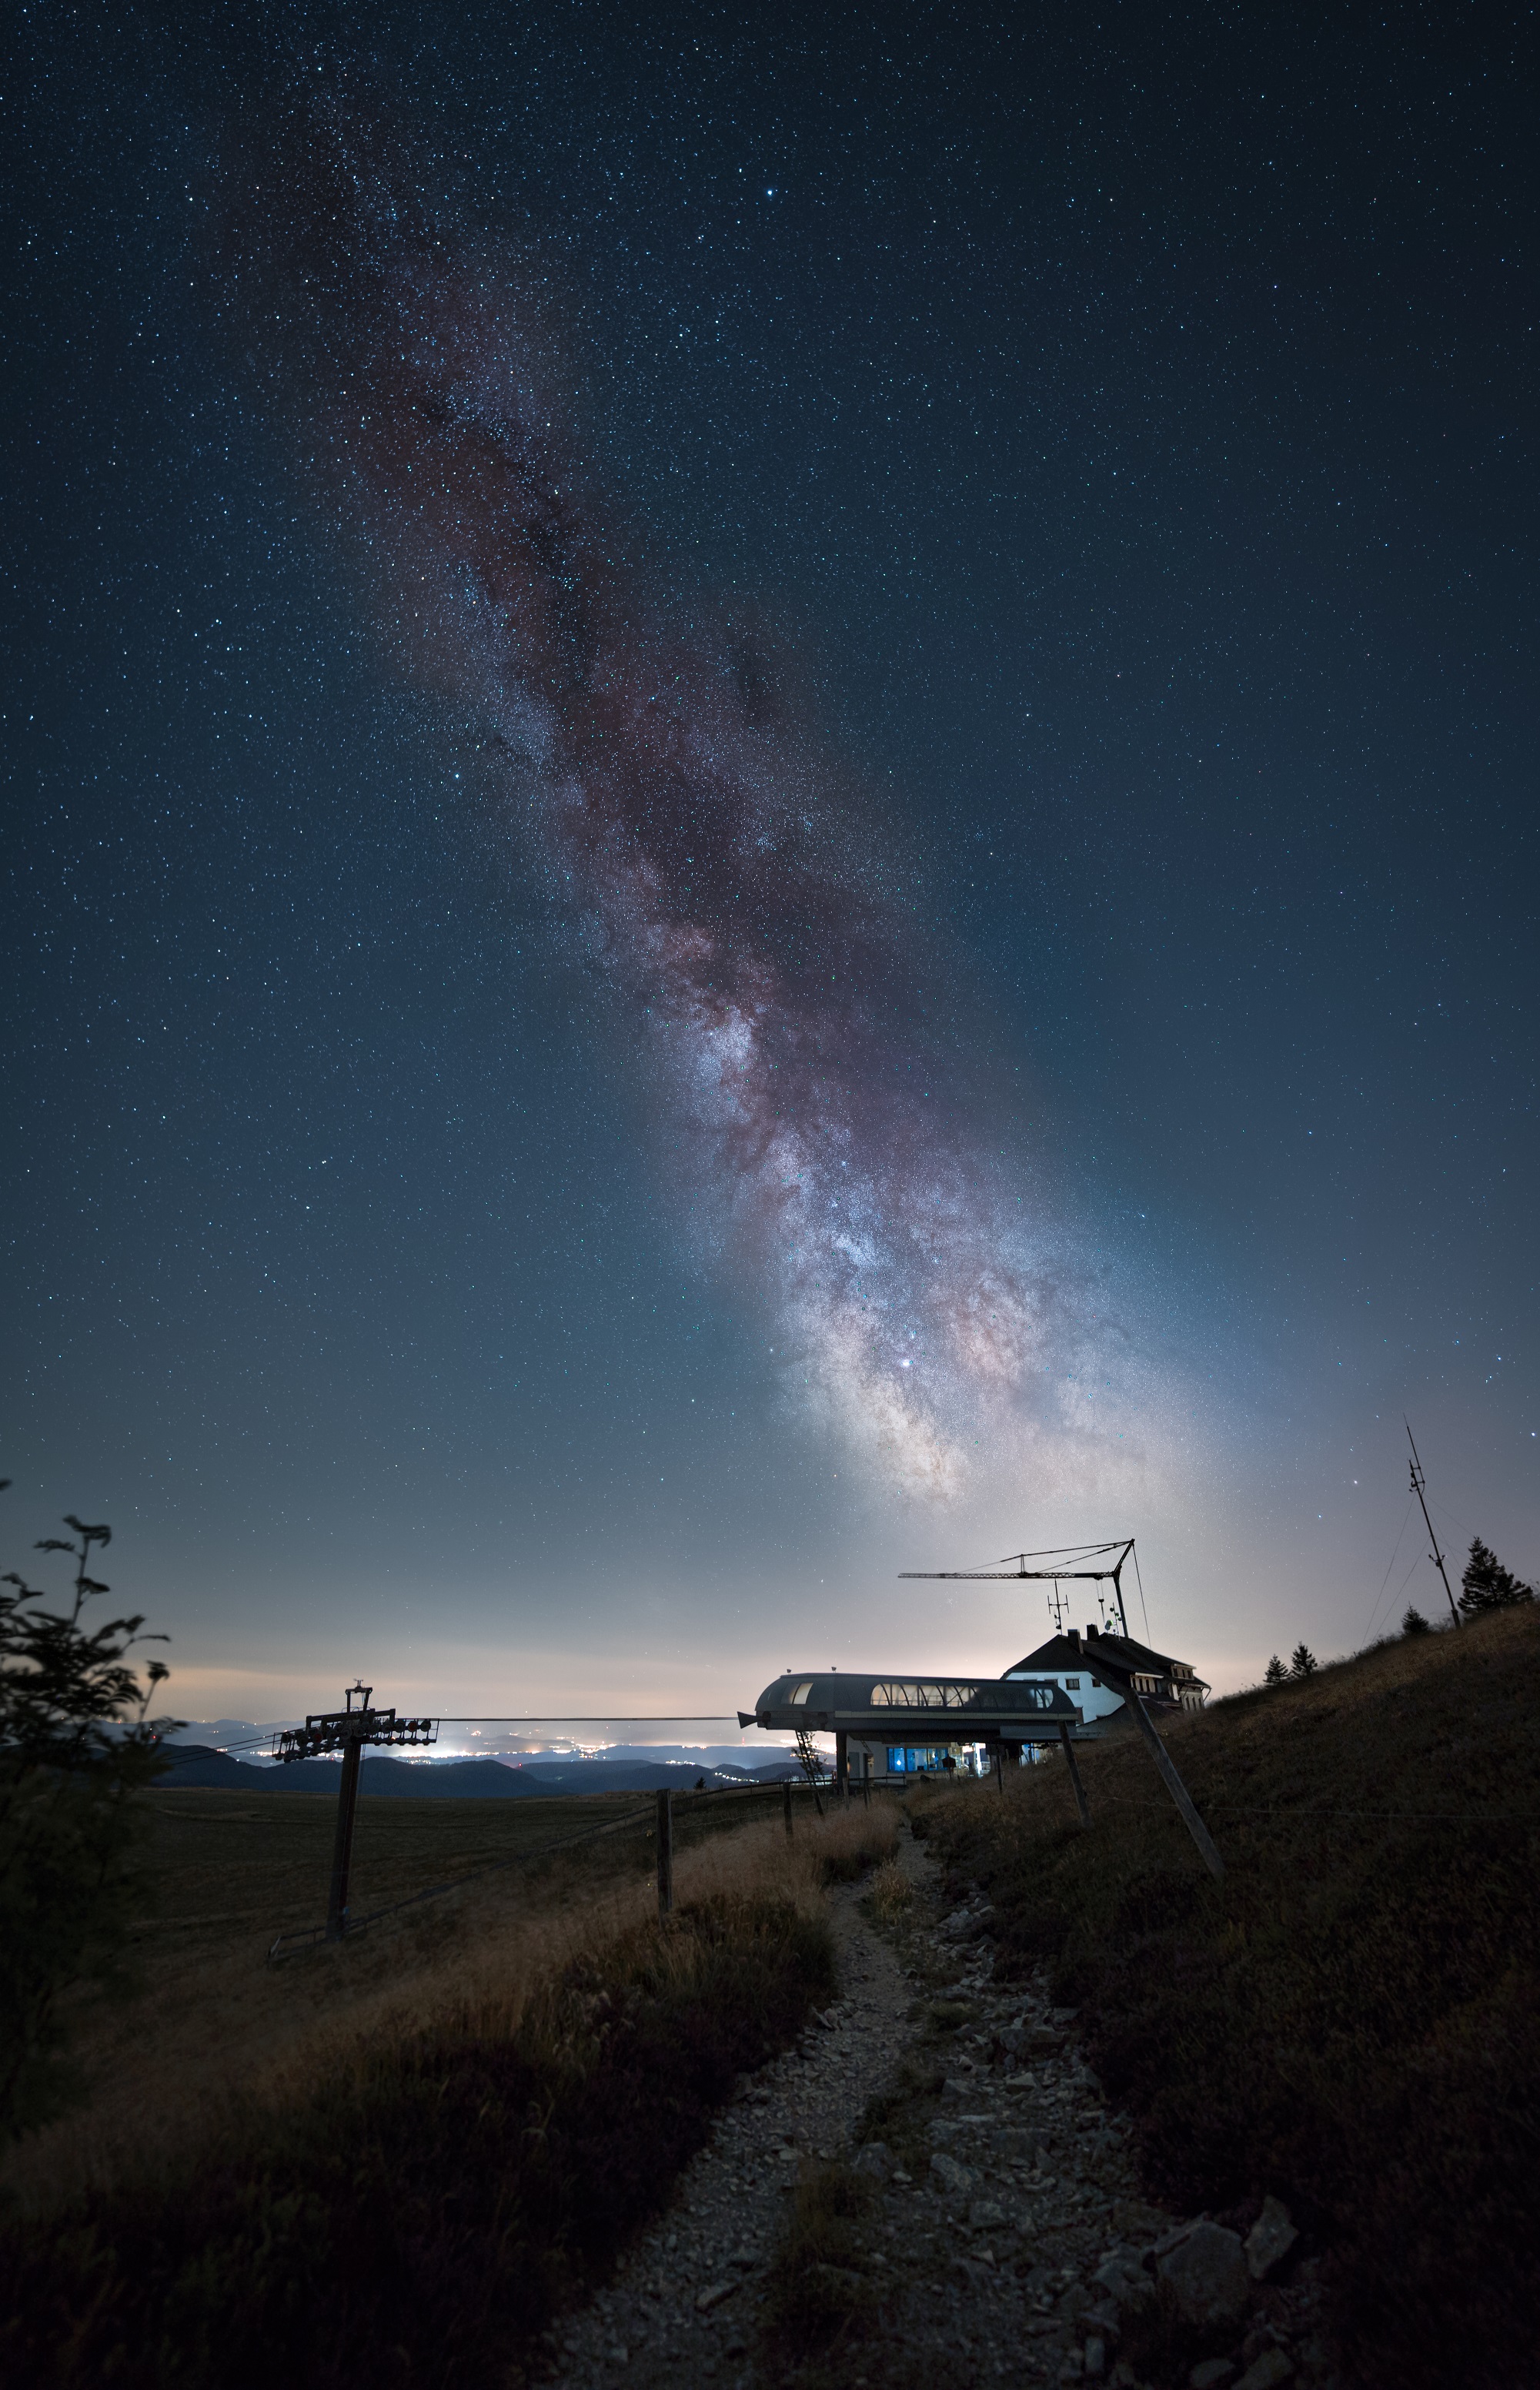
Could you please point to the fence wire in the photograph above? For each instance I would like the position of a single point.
(306, 1937)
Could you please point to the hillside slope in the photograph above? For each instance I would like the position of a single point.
(1352, 2019)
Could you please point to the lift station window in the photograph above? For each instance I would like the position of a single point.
(932, 1696)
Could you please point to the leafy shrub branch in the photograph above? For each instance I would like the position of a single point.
(76, 1744)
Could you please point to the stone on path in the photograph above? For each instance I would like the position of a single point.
(1124, 2280)
(1270, 2239)
(1206, 2275)
(952, 2178)
(1269, 2370)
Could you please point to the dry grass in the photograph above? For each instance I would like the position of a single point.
(1352, 2019)
(891, 1894)
(216, 2026)
(426, 2141)
(820, 2287)
(219, 2032)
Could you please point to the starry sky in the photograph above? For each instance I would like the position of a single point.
(770, 805)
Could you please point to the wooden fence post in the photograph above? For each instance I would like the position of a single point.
(665, 1854)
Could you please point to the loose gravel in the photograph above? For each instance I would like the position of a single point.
(1008, 2240)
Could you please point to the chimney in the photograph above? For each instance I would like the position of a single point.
(1090, 1633)
(1075, 1637)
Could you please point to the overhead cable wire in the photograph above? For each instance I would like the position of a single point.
(1390, 1563)
(1443, 1511)
(1407, 1578)
(1060, 1553)
(1140, 1582)
(563, 1717)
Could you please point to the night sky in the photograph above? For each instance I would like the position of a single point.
(770, 815)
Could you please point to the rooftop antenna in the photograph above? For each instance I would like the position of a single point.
(1058, 1604)
(1087, 1554)
(1418, 1483)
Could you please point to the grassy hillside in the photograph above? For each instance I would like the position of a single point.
(225, 1875)
(1352, 2019)
(466, 2123)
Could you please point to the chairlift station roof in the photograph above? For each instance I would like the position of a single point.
(915, 1710)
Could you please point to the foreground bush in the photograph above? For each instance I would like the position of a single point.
(1352, 2019)
(429, 2212)
(76, 1745)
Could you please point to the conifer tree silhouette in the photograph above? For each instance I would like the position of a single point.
(1486, 1584)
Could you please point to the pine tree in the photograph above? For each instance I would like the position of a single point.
(1274, 1673)
(1302, 1661)
(1486, 1584)
(1414, 1623)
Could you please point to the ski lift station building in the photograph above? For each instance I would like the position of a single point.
(894, 1726)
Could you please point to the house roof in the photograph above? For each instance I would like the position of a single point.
(1114, 1657)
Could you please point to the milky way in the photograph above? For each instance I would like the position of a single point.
(837, 1163)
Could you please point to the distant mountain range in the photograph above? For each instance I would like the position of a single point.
(249, 1739)
(197, 1765)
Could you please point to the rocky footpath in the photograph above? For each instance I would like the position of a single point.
(1001, 2234)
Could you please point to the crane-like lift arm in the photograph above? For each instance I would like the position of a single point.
(1001, 1573)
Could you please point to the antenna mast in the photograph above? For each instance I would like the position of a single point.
(1419, 1482)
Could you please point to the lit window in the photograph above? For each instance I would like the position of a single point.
(934, 1696)
(799, 1692)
